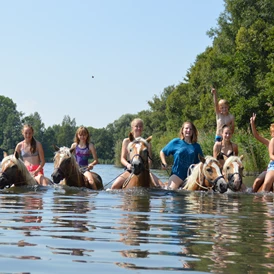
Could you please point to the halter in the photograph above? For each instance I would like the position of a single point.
(132, 174)
(230, 183)
(213, 183)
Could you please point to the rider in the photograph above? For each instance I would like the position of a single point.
(223, 117)
(137, 126)
(32, 154)
(225, 148)
(185, 151)
(83, 149)
(260, 178)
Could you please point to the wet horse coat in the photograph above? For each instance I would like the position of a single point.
(139, 156)
(67, 171)
(14, 172)
(206, 176)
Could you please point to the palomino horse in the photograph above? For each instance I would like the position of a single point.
(67, 170)
(139, 155)
(233, 173)
(206, 176)
(14, 172)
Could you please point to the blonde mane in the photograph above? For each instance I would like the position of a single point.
(231, 159)
(74, 169)
(191, 180)
(21, 166)
(61, 154)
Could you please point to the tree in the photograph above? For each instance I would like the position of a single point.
(10, 124)
(67, 131)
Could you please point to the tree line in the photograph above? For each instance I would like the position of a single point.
(239, 64)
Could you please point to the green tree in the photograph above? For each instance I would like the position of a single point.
(10, 124)
(67, 132)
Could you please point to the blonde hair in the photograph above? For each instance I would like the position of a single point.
(194, 137)
(82, 131)
(136, 121)
(272, 127)
(223, 102)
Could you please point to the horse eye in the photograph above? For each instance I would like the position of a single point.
(209, 169)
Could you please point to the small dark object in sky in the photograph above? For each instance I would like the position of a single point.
(92, 76)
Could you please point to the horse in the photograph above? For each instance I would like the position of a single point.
(15, 173)
(205, 176)
(68, 172)
(139, 155)
(233, 173)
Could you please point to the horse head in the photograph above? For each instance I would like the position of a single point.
(138, 153)
(14, 172)
(233, 172)
(62, 163)
(212, 175)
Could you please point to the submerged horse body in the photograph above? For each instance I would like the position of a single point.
(14, 172)
(233, 173)
(139, 155)
(67, 171)
(206, 176)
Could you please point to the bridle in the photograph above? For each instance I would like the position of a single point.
(230, 180)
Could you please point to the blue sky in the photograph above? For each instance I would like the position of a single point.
(49, 51)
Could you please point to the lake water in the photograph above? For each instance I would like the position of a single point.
(57, 230)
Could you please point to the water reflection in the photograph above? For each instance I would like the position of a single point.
(135, 224)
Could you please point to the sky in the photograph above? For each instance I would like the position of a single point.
(96, 60)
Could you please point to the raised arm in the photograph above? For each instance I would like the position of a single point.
(215, 101)
(255, 132)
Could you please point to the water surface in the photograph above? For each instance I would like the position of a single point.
(57, 230)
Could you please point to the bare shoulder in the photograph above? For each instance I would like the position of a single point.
(217, 144)
(126, 141)
(73, 145)
(91, 146)
(19, 146)
(38, 144)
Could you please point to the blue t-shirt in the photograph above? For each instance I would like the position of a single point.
(184, 155)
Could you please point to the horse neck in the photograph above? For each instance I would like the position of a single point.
(75, 177)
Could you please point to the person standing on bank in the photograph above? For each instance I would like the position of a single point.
(83, 149)
(185, 151)
(32, 154)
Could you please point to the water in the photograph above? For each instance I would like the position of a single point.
(57, 230)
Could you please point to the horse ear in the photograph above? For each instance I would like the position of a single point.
(56, 148)
(201, 158)
(131, 137)
(149, 139)
(16, 154)
(241, 157)
(5, 154)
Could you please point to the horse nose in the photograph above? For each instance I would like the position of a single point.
(222, 186)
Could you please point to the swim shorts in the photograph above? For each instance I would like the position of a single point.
(32, 168)
(270, 166)
(218, 138)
